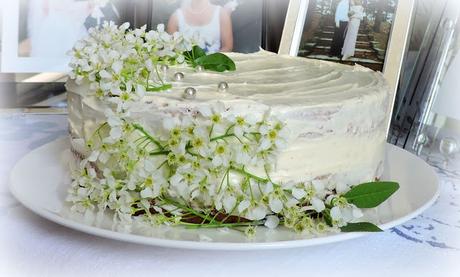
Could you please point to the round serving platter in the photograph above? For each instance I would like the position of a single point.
(40, 181)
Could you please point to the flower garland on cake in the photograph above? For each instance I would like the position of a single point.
(194, 170)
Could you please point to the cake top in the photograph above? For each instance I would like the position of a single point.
(274, 79)
(118, 60)
(270, 79)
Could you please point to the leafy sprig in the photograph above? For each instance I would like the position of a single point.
(368, 195)
(215, 62)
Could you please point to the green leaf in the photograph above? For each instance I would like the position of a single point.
(198, 52)
(217, 62)
(360, 227)
(370, 195)
(192, 55)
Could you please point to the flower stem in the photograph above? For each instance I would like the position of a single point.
(248, 174)
(221, 225)
(226, 136)
(142, 130)
(163, 152)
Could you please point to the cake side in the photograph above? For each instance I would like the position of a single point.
(339, 138)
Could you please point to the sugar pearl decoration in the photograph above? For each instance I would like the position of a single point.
(189, 93)
(222, 86)
(178, 76)
(164, 67)
(199, 68)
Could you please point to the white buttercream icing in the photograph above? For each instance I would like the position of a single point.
(336, 113)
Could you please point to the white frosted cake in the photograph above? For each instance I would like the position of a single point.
(336, 114)
(294, 135)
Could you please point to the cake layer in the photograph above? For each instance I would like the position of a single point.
(336, 114)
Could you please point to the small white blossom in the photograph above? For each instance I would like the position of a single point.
(272, 221)
(298, 193)
(276, 205)
(318, 204)
(243, 206)
(229, 203)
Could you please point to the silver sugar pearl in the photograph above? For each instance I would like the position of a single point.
(164, 67)
(178, 76)
(189, 93)
(199, 68)
(222, 86)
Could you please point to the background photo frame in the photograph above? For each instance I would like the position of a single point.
(36, 34)
(245, 16)
(396, 44)
(80, 15)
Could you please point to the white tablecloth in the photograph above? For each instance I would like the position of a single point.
(428, 245)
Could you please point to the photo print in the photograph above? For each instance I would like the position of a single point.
(224, 25)
(348, 31)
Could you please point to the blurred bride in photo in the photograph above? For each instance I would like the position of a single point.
(211, 22)
(356, 14)
(53, 27)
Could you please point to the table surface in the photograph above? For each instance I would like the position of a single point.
(428, 245)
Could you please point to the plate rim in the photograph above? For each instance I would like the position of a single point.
(205, 245)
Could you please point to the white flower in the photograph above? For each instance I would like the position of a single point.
(298, 193)
(147, 193)
(153, 184)
(117, 66)
(336, 214)
(93, 157)
(179, 186)
(268, 188)
(276, 205)
(242, 154)
(105, 74)
(221, 155)
(265, 144)
(242, 124)
(140, 90)
(116, 133)
(317, 204)
(123, 27)
(291, 202)
(342, 214)
(272, 221)
(319, 187)
(170, 122)
(229, 203)
(243, 206)
(257, 213)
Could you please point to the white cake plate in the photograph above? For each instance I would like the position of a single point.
(40, 181)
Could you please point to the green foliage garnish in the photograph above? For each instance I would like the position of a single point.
(360, 227)
(215, 62)
(370, 195)
(192, 55)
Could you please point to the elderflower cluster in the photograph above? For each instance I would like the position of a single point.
(203, 166)
(121, 65)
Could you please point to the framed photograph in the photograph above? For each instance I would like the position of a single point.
(37, 34)
(371, 33)
(224, 25)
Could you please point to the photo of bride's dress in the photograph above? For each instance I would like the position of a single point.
(348, 31)
(356, 15)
